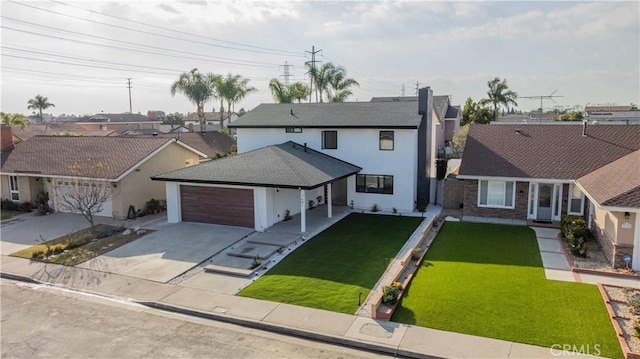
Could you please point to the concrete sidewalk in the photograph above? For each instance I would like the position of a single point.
(351, 330)
(557, 265)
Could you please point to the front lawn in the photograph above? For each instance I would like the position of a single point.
(75, 248)
(488, 280)
(6, 214)
(330, 270)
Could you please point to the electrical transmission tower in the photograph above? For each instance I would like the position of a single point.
(313, 61)
(129, 87)
(542, 98)
(417, 87)
(286, 73)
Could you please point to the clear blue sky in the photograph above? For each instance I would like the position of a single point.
(80, 53)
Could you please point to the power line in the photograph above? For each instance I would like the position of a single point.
(144, 32)
(312, 71)
(178, 31)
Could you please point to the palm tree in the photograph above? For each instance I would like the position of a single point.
(233, 89)
(280, 92)
(499, 94)
(39, 103)
(14, 119)
(215, 83)
(299, 91)
(196, 87)
(340, 85)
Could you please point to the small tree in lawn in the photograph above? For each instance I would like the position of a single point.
(85, 197)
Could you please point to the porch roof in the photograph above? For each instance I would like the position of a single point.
(287, 165)
(616, 184)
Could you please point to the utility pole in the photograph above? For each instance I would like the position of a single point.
(129, 87)
(285, 72)
(417, 87)
(313, 61)
(402, 90)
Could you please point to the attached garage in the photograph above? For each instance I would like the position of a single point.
(229, 206)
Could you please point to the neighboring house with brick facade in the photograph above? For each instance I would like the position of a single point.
(537, 173)
(55, 164)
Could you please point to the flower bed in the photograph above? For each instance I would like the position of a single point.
(625, 317)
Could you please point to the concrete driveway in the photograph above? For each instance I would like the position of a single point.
(21, 232)
(170, 251)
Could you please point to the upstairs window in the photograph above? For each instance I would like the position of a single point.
(293, 130)
(329, 140)
(386, 140)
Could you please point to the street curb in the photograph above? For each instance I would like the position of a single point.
(19, 278)
(289, 331)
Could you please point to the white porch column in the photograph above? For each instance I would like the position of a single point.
(303, 212)
(329, 201)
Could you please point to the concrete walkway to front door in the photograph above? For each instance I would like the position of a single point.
(557, 265)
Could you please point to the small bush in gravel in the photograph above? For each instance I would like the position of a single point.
(390, 294)
(415, 253)
(634, 303)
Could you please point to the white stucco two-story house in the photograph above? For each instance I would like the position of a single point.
(357, 154)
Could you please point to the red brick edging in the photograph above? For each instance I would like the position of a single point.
(628, 354)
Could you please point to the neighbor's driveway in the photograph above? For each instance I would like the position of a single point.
(21, 232)
(170, 251)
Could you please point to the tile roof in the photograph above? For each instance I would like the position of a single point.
(209, 143)
(605, 108)
(346, 114)
(545, 151)
(209, 116)
(616, 184)
(286, 165)
(79, 156)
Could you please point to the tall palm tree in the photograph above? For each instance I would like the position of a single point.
(280, 92)
(340, 85)
(233, 89)
(499, 94)
(215, 83)
(299, 91)
(39, 103)
(196, 87)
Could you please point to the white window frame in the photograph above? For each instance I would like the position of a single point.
(14, 189)
(572, 186)
(504, 194)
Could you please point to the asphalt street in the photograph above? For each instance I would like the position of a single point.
(41, 321)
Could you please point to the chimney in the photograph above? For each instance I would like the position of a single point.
(424, 98)
(6, 138)
(584, 128)
(190, 127)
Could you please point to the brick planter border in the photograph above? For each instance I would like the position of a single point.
(628, 354)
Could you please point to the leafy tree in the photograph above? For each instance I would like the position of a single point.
(472, 113)
(572, 116)
(299, 91)
(634, 107)
(173, 119)
(39, 103)
(14, 119)
(499, 94)
(233, 89)
(280, 92)
(241, 112)
(196, 87)
(459, 140)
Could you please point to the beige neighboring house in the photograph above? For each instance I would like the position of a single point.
(55, 164)
(120, 122)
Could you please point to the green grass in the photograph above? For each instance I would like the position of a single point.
(331, 269)
(87, 245)
(488, 280)
(6, 214)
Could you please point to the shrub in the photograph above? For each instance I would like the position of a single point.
(9, 205)
(375, 208)
(152, 206)
(108, 232)
(256, 262)
(415, 253)
(390, 294)
(634, 303)
(577, 247)
(574, 227)
(37, 254)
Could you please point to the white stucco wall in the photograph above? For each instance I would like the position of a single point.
(359, 147)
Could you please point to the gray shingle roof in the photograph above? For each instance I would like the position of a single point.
(79, 156)
(452, 112)
(616, 184)
(348, 114)
(287, 165)
(118, 117)
(440, 102)
(545, 151)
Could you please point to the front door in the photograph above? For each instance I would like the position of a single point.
(545, 202)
